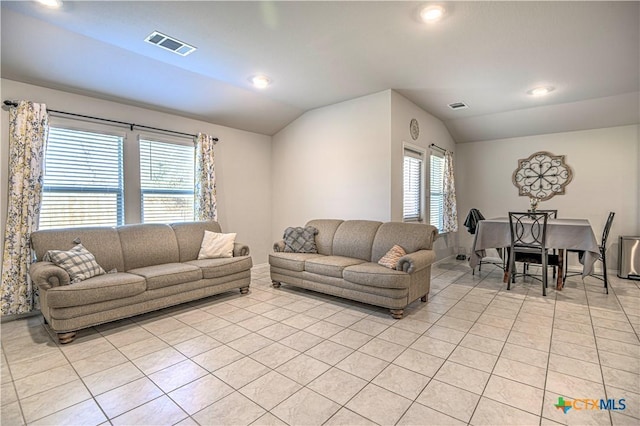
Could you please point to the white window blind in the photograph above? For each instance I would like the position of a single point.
(436, 200)
(82, 183)
(166, 181)
(412, 189)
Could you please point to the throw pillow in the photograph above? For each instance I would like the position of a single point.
(300, 240)
(390, 260)
(79, 263)
(216, 245)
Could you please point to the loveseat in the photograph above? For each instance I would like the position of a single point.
(346, 260)
(148, 267)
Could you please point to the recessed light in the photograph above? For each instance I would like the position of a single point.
(431, 14)
(53, 4)
(260, 81)
(541, 91)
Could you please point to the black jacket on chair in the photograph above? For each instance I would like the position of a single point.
(471, 222)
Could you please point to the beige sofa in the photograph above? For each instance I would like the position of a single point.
(346, 262)
(151, 266)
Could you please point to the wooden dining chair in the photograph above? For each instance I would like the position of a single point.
(528, 231)
(602, 258)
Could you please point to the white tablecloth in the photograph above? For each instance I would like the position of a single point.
(575, 234)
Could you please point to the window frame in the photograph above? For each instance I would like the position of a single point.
(171, 141)
(418, 153)
(65, 124)
(438, 195)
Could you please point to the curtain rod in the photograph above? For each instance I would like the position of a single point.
(433, 145)
(130, 125)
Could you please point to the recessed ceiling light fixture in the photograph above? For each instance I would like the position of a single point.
(260, 81)
(541, 91)
(431, 14)
(53, 4)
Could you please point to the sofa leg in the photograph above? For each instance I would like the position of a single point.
(397, 313)
(65, 338)
(424, 298)
(244, 290)
(276, 284)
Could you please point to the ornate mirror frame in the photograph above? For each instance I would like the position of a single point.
(542, 175)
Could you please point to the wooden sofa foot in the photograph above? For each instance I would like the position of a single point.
(423, 298)
(397, 313)
(244, 290)
(65, 338)
(276, 284)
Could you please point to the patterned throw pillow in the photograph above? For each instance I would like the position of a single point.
(390, 260)
(79, 263)
(300, 240)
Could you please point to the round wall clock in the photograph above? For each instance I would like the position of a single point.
(414, 128)
(542, 175)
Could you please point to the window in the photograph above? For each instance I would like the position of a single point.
(413, 198)
(436, 200)
(83, 182)
(166, 181)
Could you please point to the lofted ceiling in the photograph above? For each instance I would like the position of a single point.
(485, 54)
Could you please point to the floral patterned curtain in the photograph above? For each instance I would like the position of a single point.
(450, 209)
(28, 130)
(205, 189)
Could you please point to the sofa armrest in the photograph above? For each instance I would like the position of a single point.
(416, 261)
(278, 246)
(240, 249)
(47, 275)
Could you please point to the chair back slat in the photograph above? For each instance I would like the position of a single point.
(553, 214)
(528, 229)
(607, 228)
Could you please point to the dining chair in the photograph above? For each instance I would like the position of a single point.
(471, 222)
(602, 258)
(553, 214)
(528, 231)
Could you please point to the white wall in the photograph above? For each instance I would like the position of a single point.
(605, 164)
(432, 130)
(333, 163)
(243, 161)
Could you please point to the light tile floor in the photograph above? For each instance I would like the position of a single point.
(474, 354)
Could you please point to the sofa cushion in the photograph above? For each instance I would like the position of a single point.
(102, 242)
(330, 265)
(354, 238)
(189, 236)
(374, 275)
(148, 244)
(214, 268)
(300, 240)
(326, 230)
(215, 245)
(411, 236)
(79, 263)
(97, 289)
(291, 261)
(168, 274)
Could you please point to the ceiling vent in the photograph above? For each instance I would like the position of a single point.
(458, 105)
(169, 43)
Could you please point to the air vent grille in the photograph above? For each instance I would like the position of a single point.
(169, 43)
(458, 105)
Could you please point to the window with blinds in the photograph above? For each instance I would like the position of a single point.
(436, 200)
(83, 183)
(166, 181)
(412, 186)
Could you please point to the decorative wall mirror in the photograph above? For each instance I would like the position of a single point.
(542, 175)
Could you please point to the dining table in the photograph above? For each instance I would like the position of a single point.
(562, 234)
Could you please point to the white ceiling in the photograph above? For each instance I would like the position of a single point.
(486, 54)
